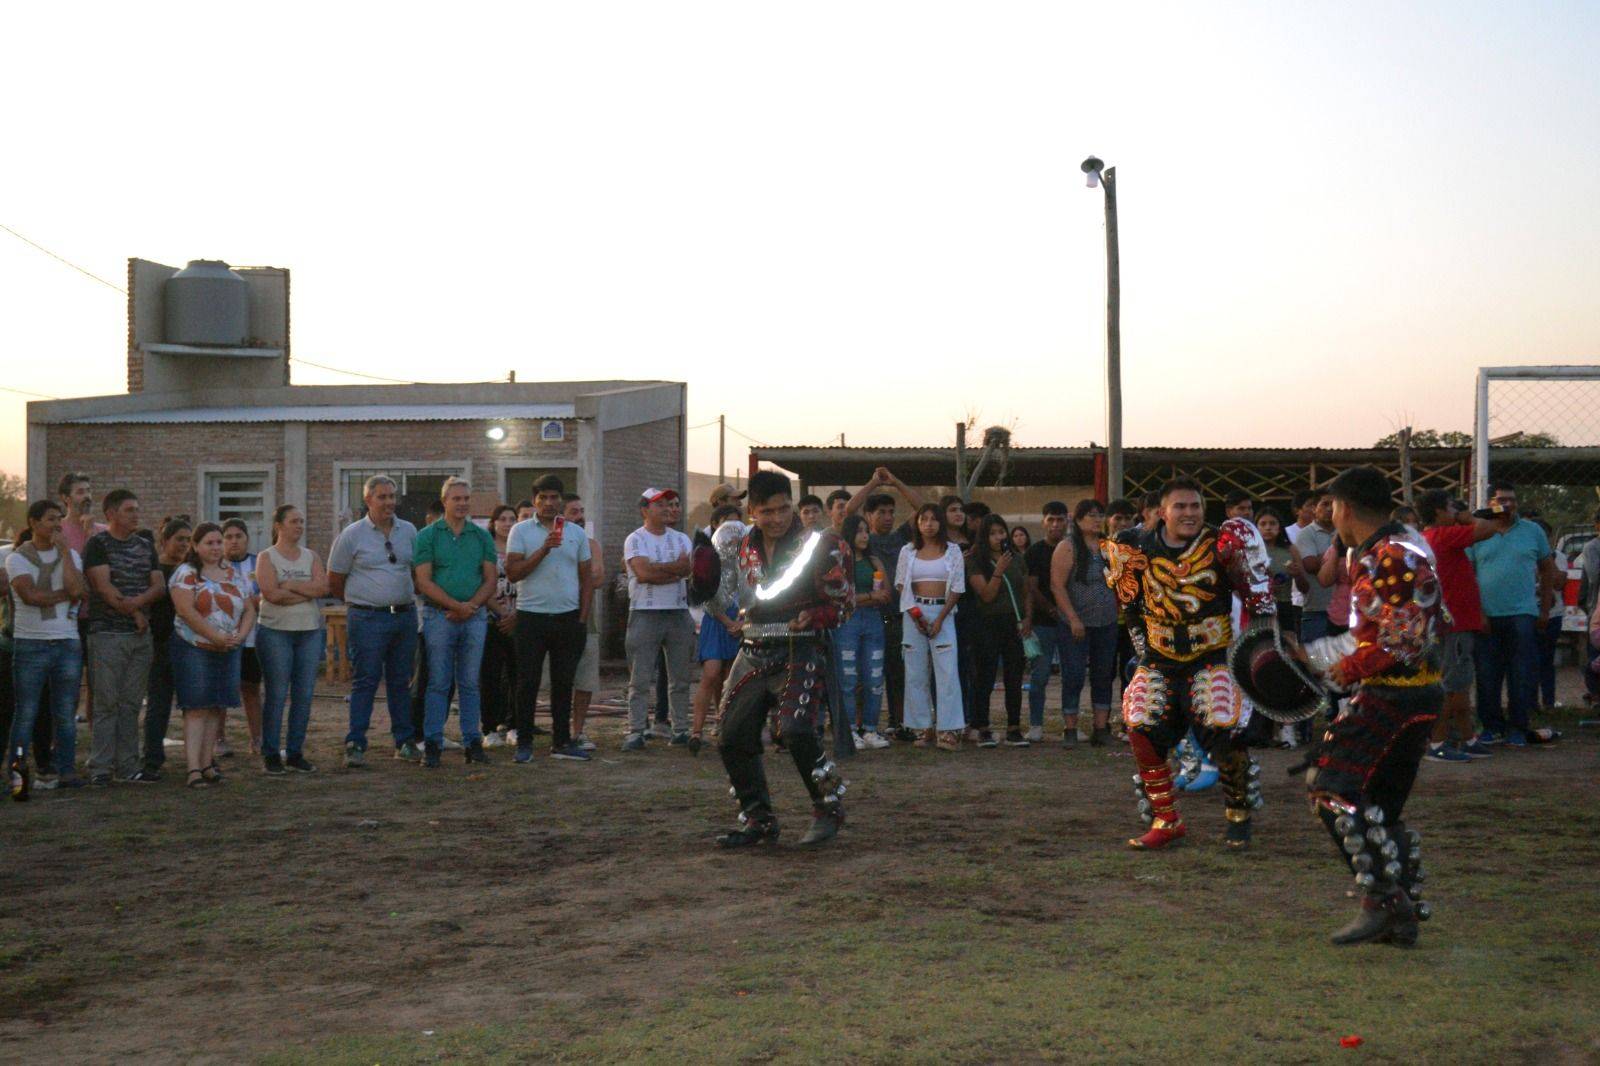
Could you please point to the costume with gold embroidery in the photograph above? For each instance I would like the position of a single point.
(1178, 600)
(1369, 756)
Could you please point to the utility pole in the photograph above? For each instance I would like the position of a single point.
(722, 447)
(961, 456)
(1098, 174)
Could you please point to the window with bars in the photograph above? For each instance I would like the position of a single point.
(246, 495)
(416, 487)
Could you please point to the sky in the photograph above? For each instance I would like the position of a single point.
(835, 218)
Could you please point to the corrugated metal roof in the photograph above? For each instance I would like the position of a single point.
(342, 413)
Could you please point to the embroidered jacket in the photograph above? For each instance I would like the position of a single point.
(807, 572)
(1395, 615)
(1179, 598)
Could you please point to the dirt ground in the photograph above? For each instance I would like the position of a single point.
(979, 906)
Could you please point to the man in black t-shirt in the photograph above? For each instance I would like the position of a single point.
(125, 580)
(886, 540)
(1046, 619)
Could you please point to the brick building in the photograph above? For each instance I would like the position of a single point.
(217, 431)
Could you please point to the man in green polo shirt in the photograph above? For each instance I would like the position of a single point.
(456, 570)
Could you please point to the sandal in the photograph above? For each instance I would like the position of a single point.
(197, 779)
(950, 740)
(211, 775)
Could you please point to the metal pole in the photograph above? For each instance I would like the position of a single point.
(722, 447)
(1113, 340)
(1480, 443)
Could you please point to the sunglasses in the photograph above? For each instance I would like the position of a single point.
(386, 544)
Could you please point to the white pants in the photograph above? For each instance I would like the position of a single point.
(932, 666)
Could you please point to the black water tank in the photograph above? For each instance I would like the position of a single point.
(206, 303)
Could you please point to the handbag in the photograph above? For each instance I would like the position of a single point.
(1031, 646)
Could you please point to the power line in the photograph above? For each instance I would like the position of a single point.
(59, 259)
(358, 373)
(25, 392)
(748, 437)
(703, 425)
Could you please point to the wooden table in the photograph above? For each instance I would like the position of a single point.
(338, 658)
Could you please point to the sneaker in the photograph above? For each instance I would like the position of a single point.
(430, 755)
(272, 765)
(904, 735)
(633, 742)
(493, 739)
(298, 764)
(871, 740)
(1489, 736)
(680, 740)
(524, 754)
(1100, 736)
(986, 739)
(511, 738)
(476, 754)
(1543, 735)
(571, 752)
(1015, 739)
(1036, 735)
(450, 745)
(409, 752)
(1447, 753)
(1515, 739)
(355, 756)
(1476, 749)
(142, 777)
(583, 741)
(46, 782)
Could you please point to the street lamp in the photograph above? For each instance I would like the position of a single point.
(1098, 175)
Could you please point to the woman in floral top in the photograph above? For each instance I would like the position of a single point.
(214, 616)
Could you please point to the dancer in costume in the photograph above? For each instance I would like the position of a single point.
(1368, 759)
(795, 585)
(1177, 578)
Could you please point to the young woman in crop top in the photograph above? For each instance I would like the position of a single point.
(930, 576)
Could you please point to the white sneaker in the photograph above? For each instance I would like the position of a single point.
(46, 782)
(871, 741)
(583, 741)
(493, 739)
(511, 738)
(1286, 736)
(168, 742)
(450, 745)
(1036, 735)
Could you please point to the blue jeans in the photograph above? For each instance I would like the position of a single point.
(1095, 656)
(859, 646)
(1313, 626)
(34, 665)
(289, 661)
(455, 657)
(384, 648)
(1052, 643)
(1507, 655)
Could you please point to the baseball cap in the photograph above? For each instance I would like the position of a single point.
(725, 491)
(650, 496)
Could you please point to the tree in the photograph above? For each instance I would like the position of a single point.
(13, 503)
(1428, 438)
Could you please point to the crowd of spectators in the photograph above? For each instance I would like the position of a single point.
(953, 604)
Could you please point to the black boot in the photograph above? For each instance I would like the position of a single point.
(1385, 919)
(825, 823)
(750, 832)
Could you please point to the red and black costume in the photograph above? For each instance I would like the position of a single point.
(785, 673)
(1368, 759)
(1178, 601)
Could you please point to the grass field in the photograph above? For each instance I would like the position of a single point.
(979, 907)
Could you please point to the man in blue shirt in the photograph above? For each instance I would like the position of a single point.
(554, 585)
(1516, 580)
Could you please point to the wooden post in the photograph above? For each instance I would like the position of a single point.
(1406, 493)
(722, 447)
(961, 455)
(1113, 339)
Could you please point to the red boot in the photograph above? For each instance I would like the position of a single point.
(1166, 826)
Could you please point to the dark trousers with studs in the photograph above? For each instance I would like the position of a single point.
(771, 682)
(1369, 758)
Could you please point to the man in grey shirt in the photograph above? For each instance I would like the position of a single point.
(370, 569)
(1312, 543)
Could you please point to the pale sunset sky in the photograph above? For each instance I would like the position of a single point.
(860, 218)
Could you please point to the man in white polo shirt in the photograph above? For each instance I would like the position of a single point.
(657, 558)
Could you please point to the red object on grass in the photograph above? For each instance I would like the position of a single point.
(1350, 1041)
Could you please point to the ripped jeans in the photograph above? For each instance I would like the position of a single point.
(858, 646)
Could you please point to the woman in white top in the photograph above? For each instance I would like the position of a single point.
(213, 604)
(46, 583)
(289, 639)
(930, 577)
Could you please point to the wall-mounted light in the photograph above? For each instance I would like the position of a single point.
(496, 433)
